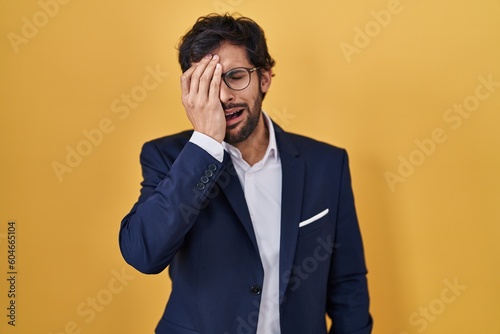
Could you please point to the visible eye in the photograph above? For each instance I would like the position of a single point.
(236, 75)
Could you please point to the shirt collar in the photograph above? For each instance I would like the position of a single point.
(272, 148)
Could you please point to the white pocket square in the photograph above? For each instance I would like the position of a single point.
(314, 218)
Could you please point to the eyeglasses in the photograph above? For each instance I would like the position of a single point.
(238, 78)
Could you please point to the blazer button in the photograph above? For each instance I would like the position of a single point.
(212, 167)
(204, 179)
(255, 290)
(209, 173)
(200, 186)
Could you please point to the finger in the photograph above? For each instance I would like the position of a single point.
(206, 77)
(198, 73)
(186, 80)
(215, 83)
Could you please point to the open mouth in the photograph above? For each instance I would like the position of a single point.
(233, 114)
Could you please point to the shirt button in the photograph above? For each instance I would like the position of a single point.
(212, 167)
(255, 290)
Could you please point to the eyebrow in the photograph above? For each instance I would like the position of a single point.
(234, 68)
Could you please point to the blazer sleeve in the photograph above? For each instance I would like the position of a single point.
(172, 195)
(348, 299)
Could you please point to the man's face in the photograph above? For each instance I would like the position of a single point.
(242, 108)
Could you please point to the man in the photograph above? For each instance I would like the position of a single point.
(257, 226)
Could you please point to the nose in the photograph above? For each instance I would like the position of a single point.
(226, 94)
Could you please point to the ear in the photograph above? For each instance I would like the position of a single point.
(265, 79)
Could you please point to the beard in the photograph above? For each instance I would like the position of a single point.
(250, 123)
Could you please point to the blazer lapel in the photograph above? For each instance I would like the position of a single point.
(293, 173)
(230, 185)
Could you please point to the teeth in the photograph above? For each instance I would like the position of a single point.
(232, 113)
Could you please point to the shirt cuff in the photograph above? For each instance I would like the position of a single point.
(212, 146)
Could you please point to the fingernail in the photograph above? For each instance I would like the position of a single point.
(208, 56)
(215, 57)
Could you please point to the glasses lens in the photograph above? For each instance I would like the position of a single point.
(237, 78)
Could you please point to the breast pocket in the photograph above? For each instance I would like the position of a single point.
(313, 223)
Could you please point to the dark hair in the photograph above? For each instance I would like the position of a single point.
(210, 31)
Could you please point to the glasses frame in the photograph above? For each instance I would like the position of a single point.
(250, 70)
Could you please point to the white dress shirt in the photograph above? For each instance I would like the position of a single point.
(261, 185)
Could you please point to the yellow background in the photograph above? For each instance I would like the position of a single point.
(440, 225)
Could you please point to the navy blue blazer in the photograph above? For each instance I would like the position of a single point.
(192, 217)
